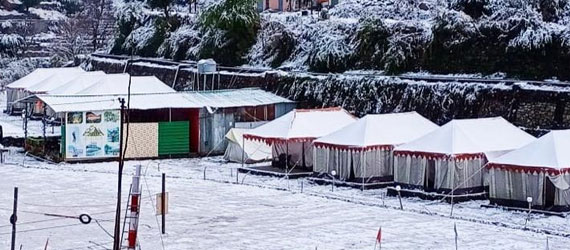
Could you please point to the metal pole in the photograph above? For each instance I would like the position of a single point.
(44, 125)
(26, 125)
(14, 218)
(117, 233)
(163, 203)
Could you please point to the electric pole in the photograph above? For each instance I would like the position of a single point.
(117, 235)
(14, 218)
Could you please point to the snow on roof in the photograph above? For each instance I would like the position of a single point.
(302, 125)
(550, 151)
(79, 83)
(195, 99)
(54, 81)
(118, 84)
(379, 130)
(39, 75)
(470, 136)
(247, 97)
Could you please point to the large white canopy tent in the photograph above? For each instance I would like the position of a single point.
(291, 136)
(19, 88)
(79, 83)
(362, 151)
(540, 170)
(452, 157)
(118, 84)
(246, 151)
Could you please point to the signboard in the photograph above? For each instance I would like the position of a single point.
(159, 204)
(92, 134)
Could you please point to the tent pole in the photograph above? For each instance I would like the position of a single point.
(287, 159)
(362, 169)
(242, 151)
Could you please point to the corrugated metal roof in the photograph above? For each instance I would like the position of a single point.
(195, 99)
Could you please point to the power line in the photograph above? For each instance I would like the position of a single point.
(44, 228)
(71, 206)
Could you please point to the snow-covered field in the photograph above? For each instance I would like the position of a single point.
(257, 213)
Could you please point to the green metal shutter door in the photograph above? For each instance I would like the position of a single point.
(173, 138)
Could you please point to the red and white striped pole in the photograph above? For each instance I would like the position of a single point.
(135, 203)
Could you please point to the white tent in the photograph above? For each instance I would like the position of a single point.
(540, 170)
(18, 89)
(363, 149)
(118, 84)
(79, 83)
(53, 82)
(253, 151)
(291, 135)
(452, 157)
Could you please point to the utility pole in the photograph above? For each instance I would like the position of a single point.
(116, 237)
(163, 203)
(14, 218)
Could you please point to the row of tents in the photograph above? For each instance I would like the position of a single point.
(464, 156)
(76, 81)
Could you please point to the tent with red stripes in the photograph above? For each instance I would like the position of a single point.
(291, 136)
(362, 151)
(540, 170)
(452, 157)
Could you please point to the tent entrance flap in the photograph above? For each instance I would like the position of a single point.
(429, 183)
(549, 193)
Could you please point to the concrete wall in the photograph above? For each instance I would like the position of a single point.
(538, 107)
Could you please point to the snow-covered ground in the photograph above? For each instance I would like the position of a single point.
(257, 213)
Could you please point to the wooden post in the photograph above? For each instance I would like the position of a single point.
(117, 233)
(14, 218)
(163, 203)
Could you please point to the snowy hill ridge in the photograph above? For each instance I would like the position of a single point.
(523, 38)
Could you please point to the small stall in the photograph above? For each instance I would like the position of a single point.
(158, 124)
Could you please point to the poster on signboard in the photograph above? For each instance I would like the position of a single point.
(92, 134)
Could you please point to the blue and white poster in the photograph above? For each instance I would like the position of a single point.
(92, 134)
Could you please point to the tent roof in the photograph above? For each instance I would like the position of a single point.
(195, 99)
(470, 136)
(79, 83)
(380, 130)
(54, 81)
(550, 151)
(302, 125)
(39, 75)
(118, 84)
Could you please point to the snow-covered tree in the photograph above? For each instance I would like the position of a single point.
(229, 28)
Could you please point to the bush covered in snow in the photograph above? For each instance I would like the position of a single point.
(524, 38)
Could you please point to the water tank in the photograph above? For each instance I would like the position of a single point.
(206, 66)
